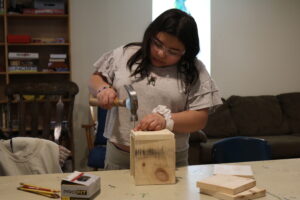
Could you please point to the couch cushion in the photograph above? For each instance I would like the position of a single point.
(284, 146)
(220, 123)
(290, 103)
(257, 115)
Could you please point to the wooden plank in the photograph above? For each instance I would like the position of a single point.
(252, 193)
(237, 170)
(226, 183)
(164, 134)
(152, 160)
(132, 148)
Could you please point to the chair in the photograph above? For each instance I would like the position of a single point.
(240, 149)
(33, 112)
(94, 134)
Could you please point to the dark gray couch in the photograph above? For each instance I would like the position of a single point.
(273, 118)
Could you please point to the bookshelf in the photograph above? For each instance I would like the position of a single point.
(48, 33)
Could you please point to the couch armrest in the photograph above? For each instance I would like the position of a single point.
(198, 136)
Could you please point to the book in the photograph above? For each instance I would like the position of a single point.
(57, 65)
(21, 63)
(62, 69)
(57, 60)
(48, 40)
(23, 55)
(33, 11)
(49, 4)
(62, 55)
(22, 68)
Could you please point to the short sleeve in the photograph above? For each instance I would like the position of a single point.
(205, 93)
(105, 64)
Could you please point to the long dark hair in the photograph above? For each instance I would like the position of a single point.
(180, 25)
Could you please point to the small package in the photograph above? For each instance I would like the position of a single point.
(80, 185)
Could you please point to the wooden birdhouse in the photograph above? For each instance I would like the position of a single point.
(152, 157)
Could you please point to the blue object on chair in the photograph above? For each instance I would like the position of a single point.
(97, 154)
(100, 139)
(240, 149)
(96, 157)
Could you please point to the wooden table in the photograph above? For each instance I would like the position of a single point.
(281, 179)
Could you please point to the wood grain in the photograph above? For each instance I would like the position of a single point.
(226, 183)
(252, 193)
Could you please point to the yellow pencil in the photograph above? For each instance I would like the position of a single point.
(38, 187)
(40, 192)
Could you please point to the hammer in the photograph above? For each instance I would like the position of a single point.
(131, 103)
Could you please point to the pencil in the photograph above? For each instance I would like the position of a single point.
(37, 187)
(44, 193)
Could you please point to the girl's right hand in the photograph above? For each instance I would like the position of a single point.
(106, 98)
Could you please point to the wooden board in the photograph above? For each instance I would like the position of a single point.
(252, 193)
(226, 183)
(237, 170)
(152, 157)
(164, 134)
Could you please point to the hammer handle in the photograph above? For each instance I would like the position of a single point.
(119, 102)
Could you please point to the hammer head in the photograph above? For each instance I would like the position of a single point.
(133, 102)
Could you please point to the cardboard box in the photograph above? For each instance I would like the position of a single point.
(80, 185)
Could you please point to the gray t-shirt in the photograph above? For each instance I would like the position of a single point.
(161, 88)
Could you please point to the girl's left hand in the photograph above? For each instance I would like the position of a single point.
(151, 122)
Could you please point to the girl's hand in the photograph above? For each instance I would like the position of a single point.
(106, 98)
(151, 122)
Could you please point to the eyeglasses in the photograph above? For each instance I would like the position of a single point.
(158, 45)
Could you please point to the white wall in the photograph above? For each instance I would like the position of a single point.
(98, 26)
(256, 46)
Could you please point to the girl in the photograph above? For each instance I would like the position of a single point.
(173, 87)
